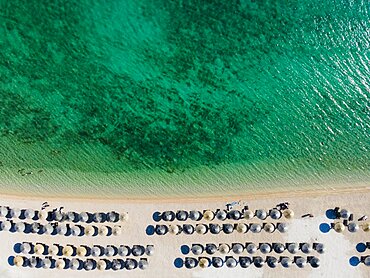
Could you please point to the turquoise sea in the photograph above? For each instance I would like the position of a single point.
(159, 97)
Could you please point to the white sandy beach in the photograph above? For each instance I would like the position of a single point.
(334, 262)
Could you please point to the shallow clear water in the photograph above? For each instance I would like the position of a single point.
(168, 87)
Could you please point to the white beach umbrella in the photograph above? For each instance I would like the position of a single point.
(67, 251)
(231, 262)
(46, 263)
(29, 213)
(339, 227)
(117, 230)
(83, 216)
(251, 248)
(211, 248)
(123, 217)
(71, 216)
(98, 217)
(88, 264)
(286, 262)
(197, 249)
(306, 248)
(344, 213)
(201, 229)
(208, 215)
(81, 251)
(76, 230)
(173, 229)
(224, 248)
(32, 262)
(353, 227)
(279, 248)
(26, 247)
(123, 250)
(203, 263)
(60, 263)
(35, 227)
(195, 215)
(43, 215)
(300, 262)
(117, 264)
(275, 214)
(39, 249)
(48, 229)
(320, 248)
(97, 251)
(89, 230)
(314, 262)
(255, 228)
(282, 227)
(143, 264)
(261, 214)
(62, 229)
(6, 226)
(130, 264)
(293, 248)
(238, 248)
(53, 250)
(101, 265)
(74, 264)
(18, 261)
(3, 211)
(112, 216)
(367, 261)
(221, 215)
(15, 212)
(265, 248)
(149, 250)
(59, 216)
(109, 251)
(288, 214)
(248, 214)
(20, 227)
(103, 231)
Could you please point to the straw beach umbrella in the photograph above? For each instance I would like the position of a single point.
(269, 227)
(53, 250)
(288, 214)
(339, 227)
(173, 229)
(67, 251)
(103, 231)
(208, 215)
(117, 230)
(60, 263)
(248, 214)
(204, 263)
(102, 265)
(242, 228)
(224, 248)
(81, 251)
(18, 261)
(39, 249)
(89, 230)
(201, 229)
(366, 227)
(123, 217)
(43, 215)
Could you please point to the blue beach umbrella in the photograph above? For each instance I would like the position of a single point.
(178, 262)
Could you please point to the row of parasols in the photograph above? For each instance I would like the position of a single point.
(215, 228)
(78, 264)
(83, 250)
(245, 262)
(219, 214)
(352, 227)
(251, 248)
(59, 229)
(58, 216)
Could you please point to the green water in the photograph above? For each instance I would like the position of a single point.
(166, 87)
